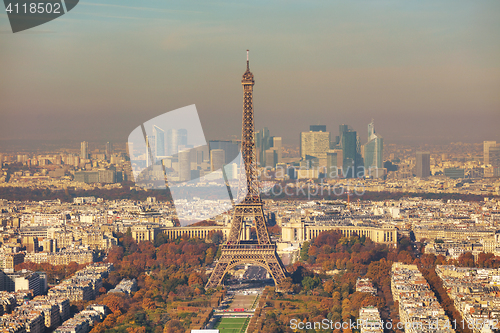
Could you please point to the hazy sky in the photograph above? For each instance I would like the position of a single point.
(425, 71)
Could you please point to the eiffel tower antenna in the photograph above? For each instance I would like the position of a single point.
(237, 251)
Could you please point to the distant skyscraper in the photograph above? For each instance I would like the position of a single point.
(317, 128)
(231, 171)
(159, 141)
(231, 149)
(315, 144)
(108, 149)
(200, 154)
(334, 160)
(352, 160)
(172, 144)
(278, 147)
(271, 158)
(423, 167)
(486, 148)
(84, 150)
(150, 156)
(494, 156)
(349, 145)
(217, 159)
(342, 129)
(184, 166)
(491, 159)
(182, 136)
(373, 156)
(336, 143)
(263, 141)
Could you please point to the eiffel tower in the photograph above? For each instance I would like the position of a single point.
(236, 251)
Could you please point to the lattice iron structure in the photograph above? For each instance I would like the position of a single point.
(235, 251)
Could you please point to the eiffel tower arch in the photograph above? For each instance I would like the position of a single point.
(237, 251)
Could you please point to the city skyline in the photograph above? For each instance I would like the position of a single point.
(407, 236)
(426, 72)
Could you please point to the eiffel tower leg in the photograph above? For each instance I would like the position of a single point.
(275, 268)
(219, 271)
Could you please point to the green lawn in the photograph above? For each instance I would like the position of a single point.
(232, 325)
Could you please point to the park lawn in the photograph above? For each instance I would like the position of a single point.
(232, 325)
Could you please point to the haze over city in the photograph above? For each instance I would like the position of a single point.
(426, 72)
(341, 176)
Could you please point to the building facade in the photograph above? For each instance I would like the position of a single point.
(373, 149)
(423, 164)
(315, 144)
(298, 231)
